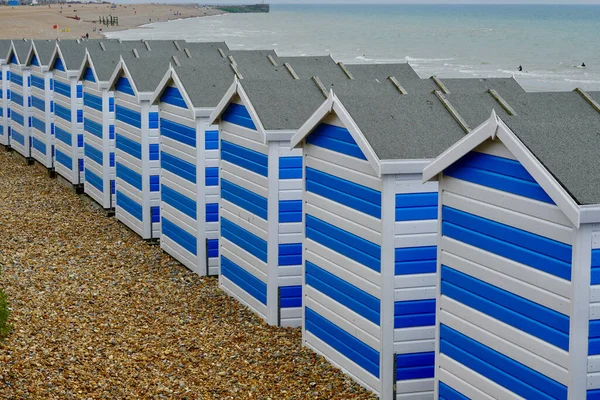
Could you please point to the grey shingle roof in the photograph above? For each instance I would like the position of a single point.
(206, 84)
(475, 107)
(595, 96)
(73, 53)
(254, 64)
(562, 131)
(322, 66)
(22, 49)
(404, 73)
(4, 47)
(44, 48)
(401, 127)
(508, 86)
(147, 72)
(284, 104)
(104, 62)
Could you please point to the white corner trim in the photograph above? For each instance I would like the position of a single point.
(390, 167)
(283, 135)
(312, 122)
(203, 112)
(231, 92)
(589, 214)
(477, 136)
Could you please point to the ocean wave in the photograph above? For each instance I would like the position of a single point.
(426, 60)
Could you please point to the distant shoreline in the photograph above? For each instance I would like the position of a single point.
(37, 22)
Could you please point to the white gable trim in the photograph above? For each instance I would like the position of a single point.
(319, 115)
(491, 129)
(122, 67)
(222, 106)
(162, 85)
(390, 167)
(87, 62)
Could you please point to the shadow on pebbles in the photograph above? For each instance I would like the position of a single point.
(98, 313)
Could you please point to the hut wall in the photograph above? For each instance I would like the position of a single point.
(42, 132)
(20, 110)
(5, 105)
(504, 294)
(593, 361)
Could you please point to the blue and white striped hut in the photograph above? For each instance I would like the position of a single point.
(137, 142)
(68, 111)
(189, 145)
(5, 47)
(518, 288)
(99, 63)
(260, 206)
(20, 91)
(369, 234)
(42, 102)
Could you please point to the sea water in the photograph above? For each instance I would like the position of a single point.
(550, 42)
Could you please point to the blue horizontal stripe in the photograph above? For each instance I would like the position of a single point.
(154, 183)
(447, 393)
(154, 152)
(504, 249)
(130, 176)
(212, 176)
(62, 89)
(343, 242)
(38, 124)
(415, 366)
(595, 267)
(290, 296)
(153, 120)
(593, 394)
(124, 86)
(290, 167)
(18, 137)
(17, 79)
(92, 101)
(350, 296)
(211, 139)
(62, 112)
(63, 136)
(88, 75)
(129, 146)
(290, 211)
(93, 154)
(245, 158)
(92, 127)
(415, 260)
(412, 313)
(155, 214)
(336, 139)
(498, 173)
(416, 206)
(59, 65)
(172, 95)
(38, 82)
(130, 206)
(38, 145)
(17, 98)
(18, 118)
(364, 356)
(350, 194)
(38, 103)
(243, 279)
(238, 114)
(594, 338)
(499, 368)
(244, 239)
(244, 198)
(178, 201)
(179, 236)
(213, 248)
(128, 116)
(212, 212)
(290, 254)
(63, 159)
(178, 167)
(509, 308)
(94, 180)
(178, 132)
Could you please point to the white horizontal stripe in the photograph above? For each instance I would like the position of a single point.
(416, 240)
(372, 223)
(595, 240)
(343, 223)
(290, 184)
(93, 140)
(414, 333)
(416, 227)
(451, 379)
(242, 296)
(179, 253)
(248, 141)
(347, 366)
(130, 221)
(250, 222)
(243, 259)
(289, 280)
(285, 151)
(179, 189)
(290, 238)
(286, 195)
(515, 336)
(504, 216)
(404, 186)
(508, 267)
(414, 346)
(93, 115)
(175, 181)
(179, 150)
(130, 162)
(180, 219)
(506, 200)
(415, 280)
(593, 381)
(595, 311)
(594, 363)
(495, 148)
(498, 279)
(344, 173)
(351, 163)
(212, 227)
(356, 274)
(594, 293)
(183, 117)
(295, 271)
(129, 191)
(291, 227)
(242, 177)
(415, 386)
(420, 293)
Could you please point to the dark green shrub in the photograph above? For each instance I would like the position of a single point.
(4, 326)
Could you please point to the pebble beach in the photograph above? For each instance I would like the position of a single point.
(99, 313)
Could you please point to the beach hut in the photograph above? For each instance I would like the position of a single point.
(369, 236)
(20, 91)
(260, 207)
(517, 283)
(137, 153)
(5, 47)
(65, 63)
(189, 145)
(42, 102)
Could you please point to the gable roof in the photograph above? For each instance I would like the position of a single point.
(44, 50)
(324, 67)
(72, 53)
(403, 72)
(5, 46)
(504, 86)
(255, 64)
(146, 73)
(21, 49)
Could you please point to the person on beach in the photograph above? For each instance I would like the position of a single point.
(520, 68)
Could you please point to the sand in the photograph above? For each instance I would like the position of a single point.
(36, 22)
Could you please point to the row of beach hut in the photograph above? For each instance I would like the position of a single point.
(434, 238)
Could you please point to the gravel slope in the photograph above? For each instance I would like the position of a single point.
(98, 313)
